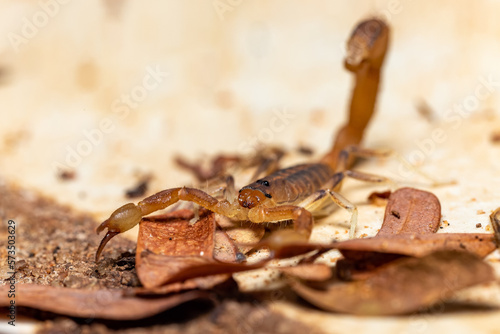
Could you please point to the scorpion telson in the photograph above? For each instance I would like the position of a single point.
(290, 193)
(365, 54)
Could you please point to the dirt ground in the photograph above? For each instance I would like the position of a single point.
(57, 248)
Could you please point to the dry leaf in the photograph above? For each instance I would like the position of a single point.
(495, 222)
(411, 210)
(157, 270)
(411, 219)
(173, 234)
(102, 304)
(170, 250)
(379, 198)
(418, 245)
(203, 283)
(407, 285)
(226, 249)
(245, 235)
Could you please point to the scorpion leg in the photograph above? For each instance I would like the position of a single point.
(302, 218)
(351, 208)
(129, 215)
(347, 155)
(319, 199)
(338, 178)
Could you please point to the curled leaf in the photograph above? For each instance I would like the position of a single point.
(418, 245)
(157, 270)
(379, 198)
(495, 222)
(411, 210)
(173, 234)
(407, 285)
(226, 249)
(102, 304)
(203, 283)
(170, 250)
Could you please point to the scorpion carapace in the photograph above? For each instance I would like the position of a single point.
(290, 185)
(287, 194)
(250, 197)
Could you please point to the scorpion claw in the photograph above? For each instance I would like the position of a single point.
(104, 241)
(101, 227)
(121, 220)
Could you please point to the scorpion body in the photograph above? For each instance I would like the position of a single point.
(291, 193)
(286, 186)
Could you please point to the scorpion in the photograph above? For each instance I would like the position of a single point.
(291, 193)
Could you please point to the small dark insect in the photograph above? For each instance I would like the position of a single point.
(140, 189)
(66, 175)
(395, 214)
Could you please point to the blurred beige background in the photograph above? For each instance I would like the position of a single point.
(112, 89)
(76, 87)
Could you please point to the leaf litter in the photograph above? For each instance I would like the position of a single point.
(411, 266)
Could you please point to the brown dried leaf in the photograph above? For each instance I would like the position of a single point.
(495, 222)
(173, 234)
(247, 235)
(203, 283)
(407, 285)
(418, 245)
(364, 256)
(367, 266)
(157, 270)
(218, 166)
(411, 210)
(379, 198)
(171, 250)
(287, 243)
(225, 249)
(298, 248)
(244, 235)
(102, 304)
(411, 218)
